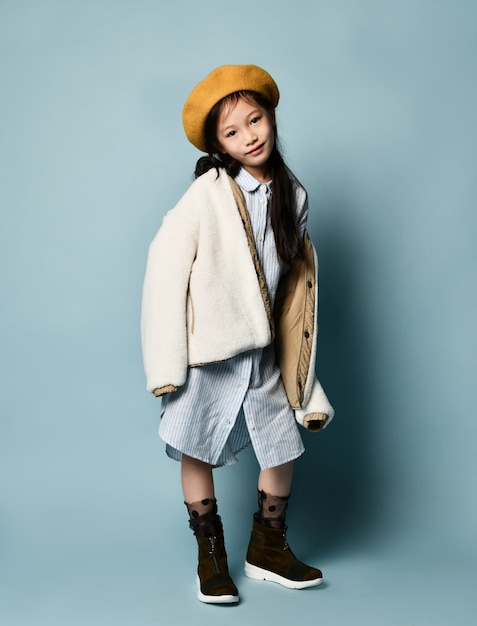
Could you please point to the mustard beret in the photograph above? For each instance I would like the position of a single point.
(221, 82)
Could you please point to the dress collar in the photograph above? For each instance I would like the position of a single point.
(247, 182)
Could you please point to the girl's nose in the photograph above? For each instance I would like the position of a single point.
(251, 137)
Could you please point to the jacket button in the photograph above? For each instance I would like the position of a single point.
(309, 284)
(307, 334)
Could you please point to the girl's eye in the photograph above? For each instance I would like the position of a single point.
(254, 120)
(231, 133)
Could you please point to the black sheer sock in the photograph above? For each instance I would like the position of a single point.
(272, 509)
(203, 518)
(196, 509)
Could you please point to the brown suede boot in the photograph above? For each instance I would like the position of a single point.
(269, 556)
(215, 586)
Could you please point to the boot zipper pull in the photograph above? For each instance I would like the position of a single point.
(212, 553)
(285, 542)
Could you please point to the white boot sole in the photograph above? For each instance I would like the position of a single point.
(257, 573)
(227, 599)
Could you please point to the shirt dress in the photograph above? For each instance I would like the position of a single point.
(225, 406)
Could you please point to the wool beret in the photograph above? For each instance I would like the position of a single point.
(221, 82)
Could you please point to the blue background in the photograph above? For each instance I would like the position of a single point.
(378, 120)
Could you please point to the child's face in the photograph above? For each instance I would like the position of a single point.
(245, 132)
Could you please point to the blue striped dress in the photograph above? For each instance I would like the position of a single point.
(223, 407)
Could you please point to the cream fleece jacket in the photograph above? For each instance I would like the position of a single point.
(203, 295)
(201, 299)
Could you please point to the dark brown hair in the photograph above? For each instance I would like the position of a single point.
(282, 201)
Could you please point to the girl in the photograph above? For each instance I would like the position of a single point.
(229, 324)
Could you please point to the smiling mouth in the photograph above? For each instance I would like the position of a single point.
(256, 150)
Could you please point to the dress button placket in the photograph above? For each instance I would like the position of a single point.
(263, 189)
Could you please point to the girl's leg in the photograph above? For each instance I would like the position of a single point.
(277, 480)
(214, 583)
(274, 486)
(269, 556)
(197, 479)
